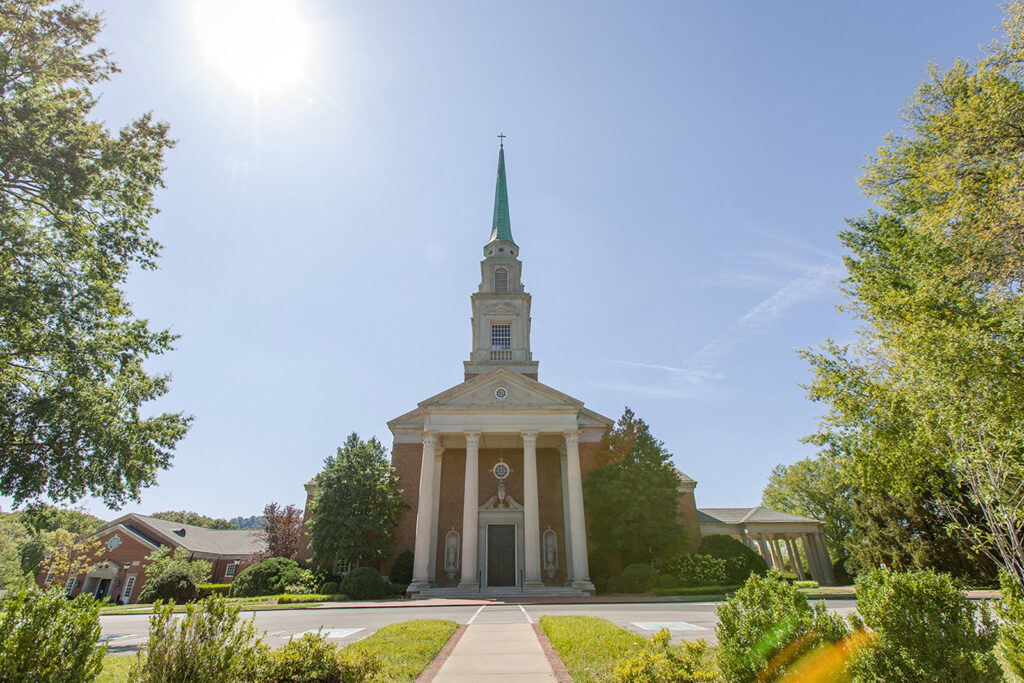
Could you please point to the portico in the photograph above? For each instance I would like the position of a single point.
(504, 451)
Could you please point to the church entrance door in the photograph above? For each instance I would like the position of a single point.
(501, 554)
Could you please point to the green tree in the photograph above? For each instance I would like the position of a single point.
(194, 518)
(933, 388)
(632, 502)
(163, 561)
(75, 204)
(40, 517)
(815, 488)
(356, 506)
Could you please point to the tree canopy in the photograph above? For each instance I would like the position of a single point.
(75, 206)
(283, 530)
(194, 518)
(931, 397)
(356, 506)
(632, 502)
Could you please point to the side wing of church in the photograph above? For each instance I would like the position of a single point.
(492, 468)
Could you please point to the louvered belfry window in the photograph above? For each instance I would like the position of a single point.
(500, 280)
(501, 336)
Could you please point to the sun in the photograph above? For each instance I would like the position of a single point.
(259, 45)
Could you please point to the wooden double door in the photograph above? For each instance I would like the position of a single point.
(501, 555)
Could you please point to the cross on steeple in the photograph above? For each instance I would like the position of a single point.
(501, 139)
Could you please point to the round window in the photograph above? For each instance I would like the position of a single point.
(114, 542)
(501, 471)
(501, 393)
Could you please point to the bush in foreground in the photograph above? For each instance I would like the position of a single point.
(209, 643)
(365, 583)
(46, 637)
(269, 577)
(766, 625)
(312, 658)
(1011, 634)
(660, 662)
(926, 630)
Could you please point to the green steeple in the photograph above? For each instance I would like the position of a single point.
(501, 226)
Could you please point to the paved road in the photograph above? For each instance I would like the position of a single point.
(687, 621)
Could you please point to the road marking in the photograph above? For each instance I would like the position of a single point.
(528, 619)
(473, 618)
(670, 625)
(333, 632)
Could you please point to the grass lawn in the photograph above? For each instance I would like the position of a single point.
(406, 647)
(589, 646)
(115, 668)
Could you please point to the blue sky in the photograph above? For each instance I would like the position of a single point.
(678, 173)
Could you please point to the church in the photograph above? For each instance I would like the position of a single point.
(492, 468)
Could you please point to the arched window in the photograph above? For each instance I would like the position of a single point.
(500, 280)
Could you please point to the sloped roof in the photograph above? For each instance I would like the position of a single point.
(745, 515)
(195, 538)
(684, 477)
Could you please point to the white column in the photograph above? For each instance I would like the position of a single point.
(531, 512)
(424, 514)
(432, 567)
(777, 547)
(470, 503)
(825, 559)
(813, 563)
(794, 555)
(566, 520)
(763, 545)
(580, 568)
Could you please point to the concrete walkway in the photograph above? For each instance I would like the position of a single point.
(499, 645)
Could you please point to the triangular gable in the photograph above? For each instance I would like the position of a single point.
(502, 309)
(522, 392)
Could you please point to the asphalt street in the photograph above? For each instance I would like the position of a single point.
(686, 621)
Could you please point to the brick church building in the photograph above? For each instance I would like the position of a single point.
(492, 468)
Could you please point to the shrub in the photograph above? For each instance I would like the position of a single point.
(208, 589)
(666, 581)
(805, 584)
(637, 578)
(209, 643)
(1011, 634)
(841, 572)
(174, 583)
(659, 662)
(740, 561)
(164, 560)
(269, 577)
(598, 565)
(697, 570)
(312, 658)
(926, 629)
(611, 585)
(47, 637)
(365, 583)
(401, 570)
(768, 624)
(330, 587)
(288, 599)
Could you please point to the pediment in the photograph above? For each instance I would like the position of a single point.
(493, 503)
(502, 309)
(520, 392)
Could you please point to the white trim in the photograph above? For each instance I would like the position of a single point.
(129, 586)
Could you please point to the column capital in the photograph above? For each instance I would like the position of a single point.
(472, 437)
(572, 438)
(530, 437)
(429, 439)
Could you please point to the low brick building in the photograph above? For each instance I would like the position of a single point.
(127, 541)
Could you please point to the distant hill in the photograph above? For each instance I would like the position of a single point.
(193, 518)
(254, 522)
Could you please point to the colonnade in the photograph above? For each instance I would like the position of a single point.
(429, 492)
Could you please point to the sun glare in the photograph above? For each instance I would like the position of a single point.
(260, 45)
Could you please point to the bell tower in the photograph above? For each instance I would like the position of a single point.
(501, 307)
